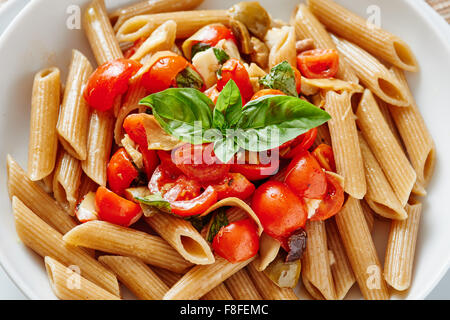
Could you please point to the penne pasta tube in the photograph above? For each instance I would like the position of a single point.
(267, 288)
(183, 237)
(43, 143)
(316, 271)
(74, 116)
(346, 149)
(361, 251)
(380, 196)
(241, 286)
(368, 214)
(389, 154)
(136, 276)
(368, 36)
(311, 87)
(107, 237)
(69, 285)
(188, 22)
(268, 251)
(384, 108)
(35, 198)
(47, 183)
(167, 276)
(281, 43)
(400, 251)
(201, 279)
(86, 186)
(372, 73)
(308, 27)
(46, 241)
(150, 6)
(66, 181)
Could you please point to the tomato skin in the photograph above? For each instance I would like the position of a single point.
(302, 143)
(150, 160)
(199, 162)
(298, 80)
(305, 177)
(234, 185)
(183, 189)
(332, 202)
(136, 45)
(163, 72)
(266, 92)
(324, 155)
(255, 172)
(318, 63)
(120, 172)
(115, 209)
(196, 206)
(237, 242)
(212, 34)
(134, 127)
(109, 81)
(280, 211)
(213, 94)
(234, 70)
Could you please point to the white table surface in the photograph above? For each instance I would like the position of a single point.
(9, 291)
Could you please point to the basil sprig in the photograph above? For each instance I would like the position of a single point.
(281, 77)
(261, 125)
(220, 220)
(189, 78)
(155, 200)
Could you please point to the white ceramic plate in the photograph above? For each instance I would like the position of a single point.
(38, 38)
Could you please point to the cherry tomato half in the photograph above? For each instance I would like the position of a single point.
(163, 72)
(196, 206)
(332, 202)
(302, 143)
(318, 63)
(234, 185)
(266, 92)
(121, 172)
(324, 155)
(109, 81)
(212, 34)
(213, 94)
(234, 70)
(237, 242)
(280, 211)
(298, 80)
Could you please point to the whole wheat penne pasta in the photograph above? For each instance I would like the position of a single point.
(151, 6)
(307, 26)
(68, 285)
(268, 251)
(368, 214)
(401, 247)
(361, 252)
(183, 237)
(241, 286)
(389, 154)
(36, 198)
(372, 73)
(188, 22)
(384, 108)
(74, 115)
(281, 43)
(380, 196)
(167, 276)
(46, 241)
(47, 183)
(107, 237)
(415, 135)
(372, 38)
(66, 181)
(311, 87)
(43, 143)
(267, 288)
(136, 276)
(86, 186)
(344, 136)
(201, 279)
(316, 263)
(341, 269)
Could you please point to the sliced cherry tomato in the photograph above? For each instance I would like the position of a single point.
(324, 155)
(234, 70)
(318, 63)
(237, 242)
(109, 81)
(134, 127)
(255, 172)
(199, 162)
(166, 160)
(332, 202)
(150, 160)
(136, 45)
(298, 80)
(213, 94)
(305, 177)
(195, 206)
(267, 92)
(234, 185)
(115, 209)
(212, 34)
(121, 172)
(163, 72)
(294, 147)
(280, 211)
(183, 189)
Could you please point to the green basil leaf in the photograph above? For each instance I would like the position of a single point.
(281, 77)
(199, 222)
(189, 78)
(199, 47)
(225, 149)
(221, 55)
(185, 113)
(220, 220)
(156, 200)
(228, 108)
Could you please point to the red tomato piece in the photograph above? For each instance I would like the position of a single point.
(212, 34)
(298, 80)
(136, 45)
(150, 160)
(234, 185)
(134, 127)
(332, 202)
(280, 211)
(234, 70)
(237, 242)
(213, 94)
(162, 74)
(196, 206)
(183, 189)
(318, 63)
(255, 172)
(296, 146)
(324, 155)
(167, 161)
(115, 209)
(109, 81)
(267, 92)
(121, 172)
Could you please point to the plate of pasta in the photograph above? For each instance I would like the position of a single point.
(225, 150)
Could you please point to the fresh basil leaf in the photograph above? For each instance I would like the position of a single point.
(199, 222)
(199, 47)
(189, 78)
(281, 77)
(156, 200)
(228, 108)
(184, 113)
(225, 149)
(221, 55)
(220, 220)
